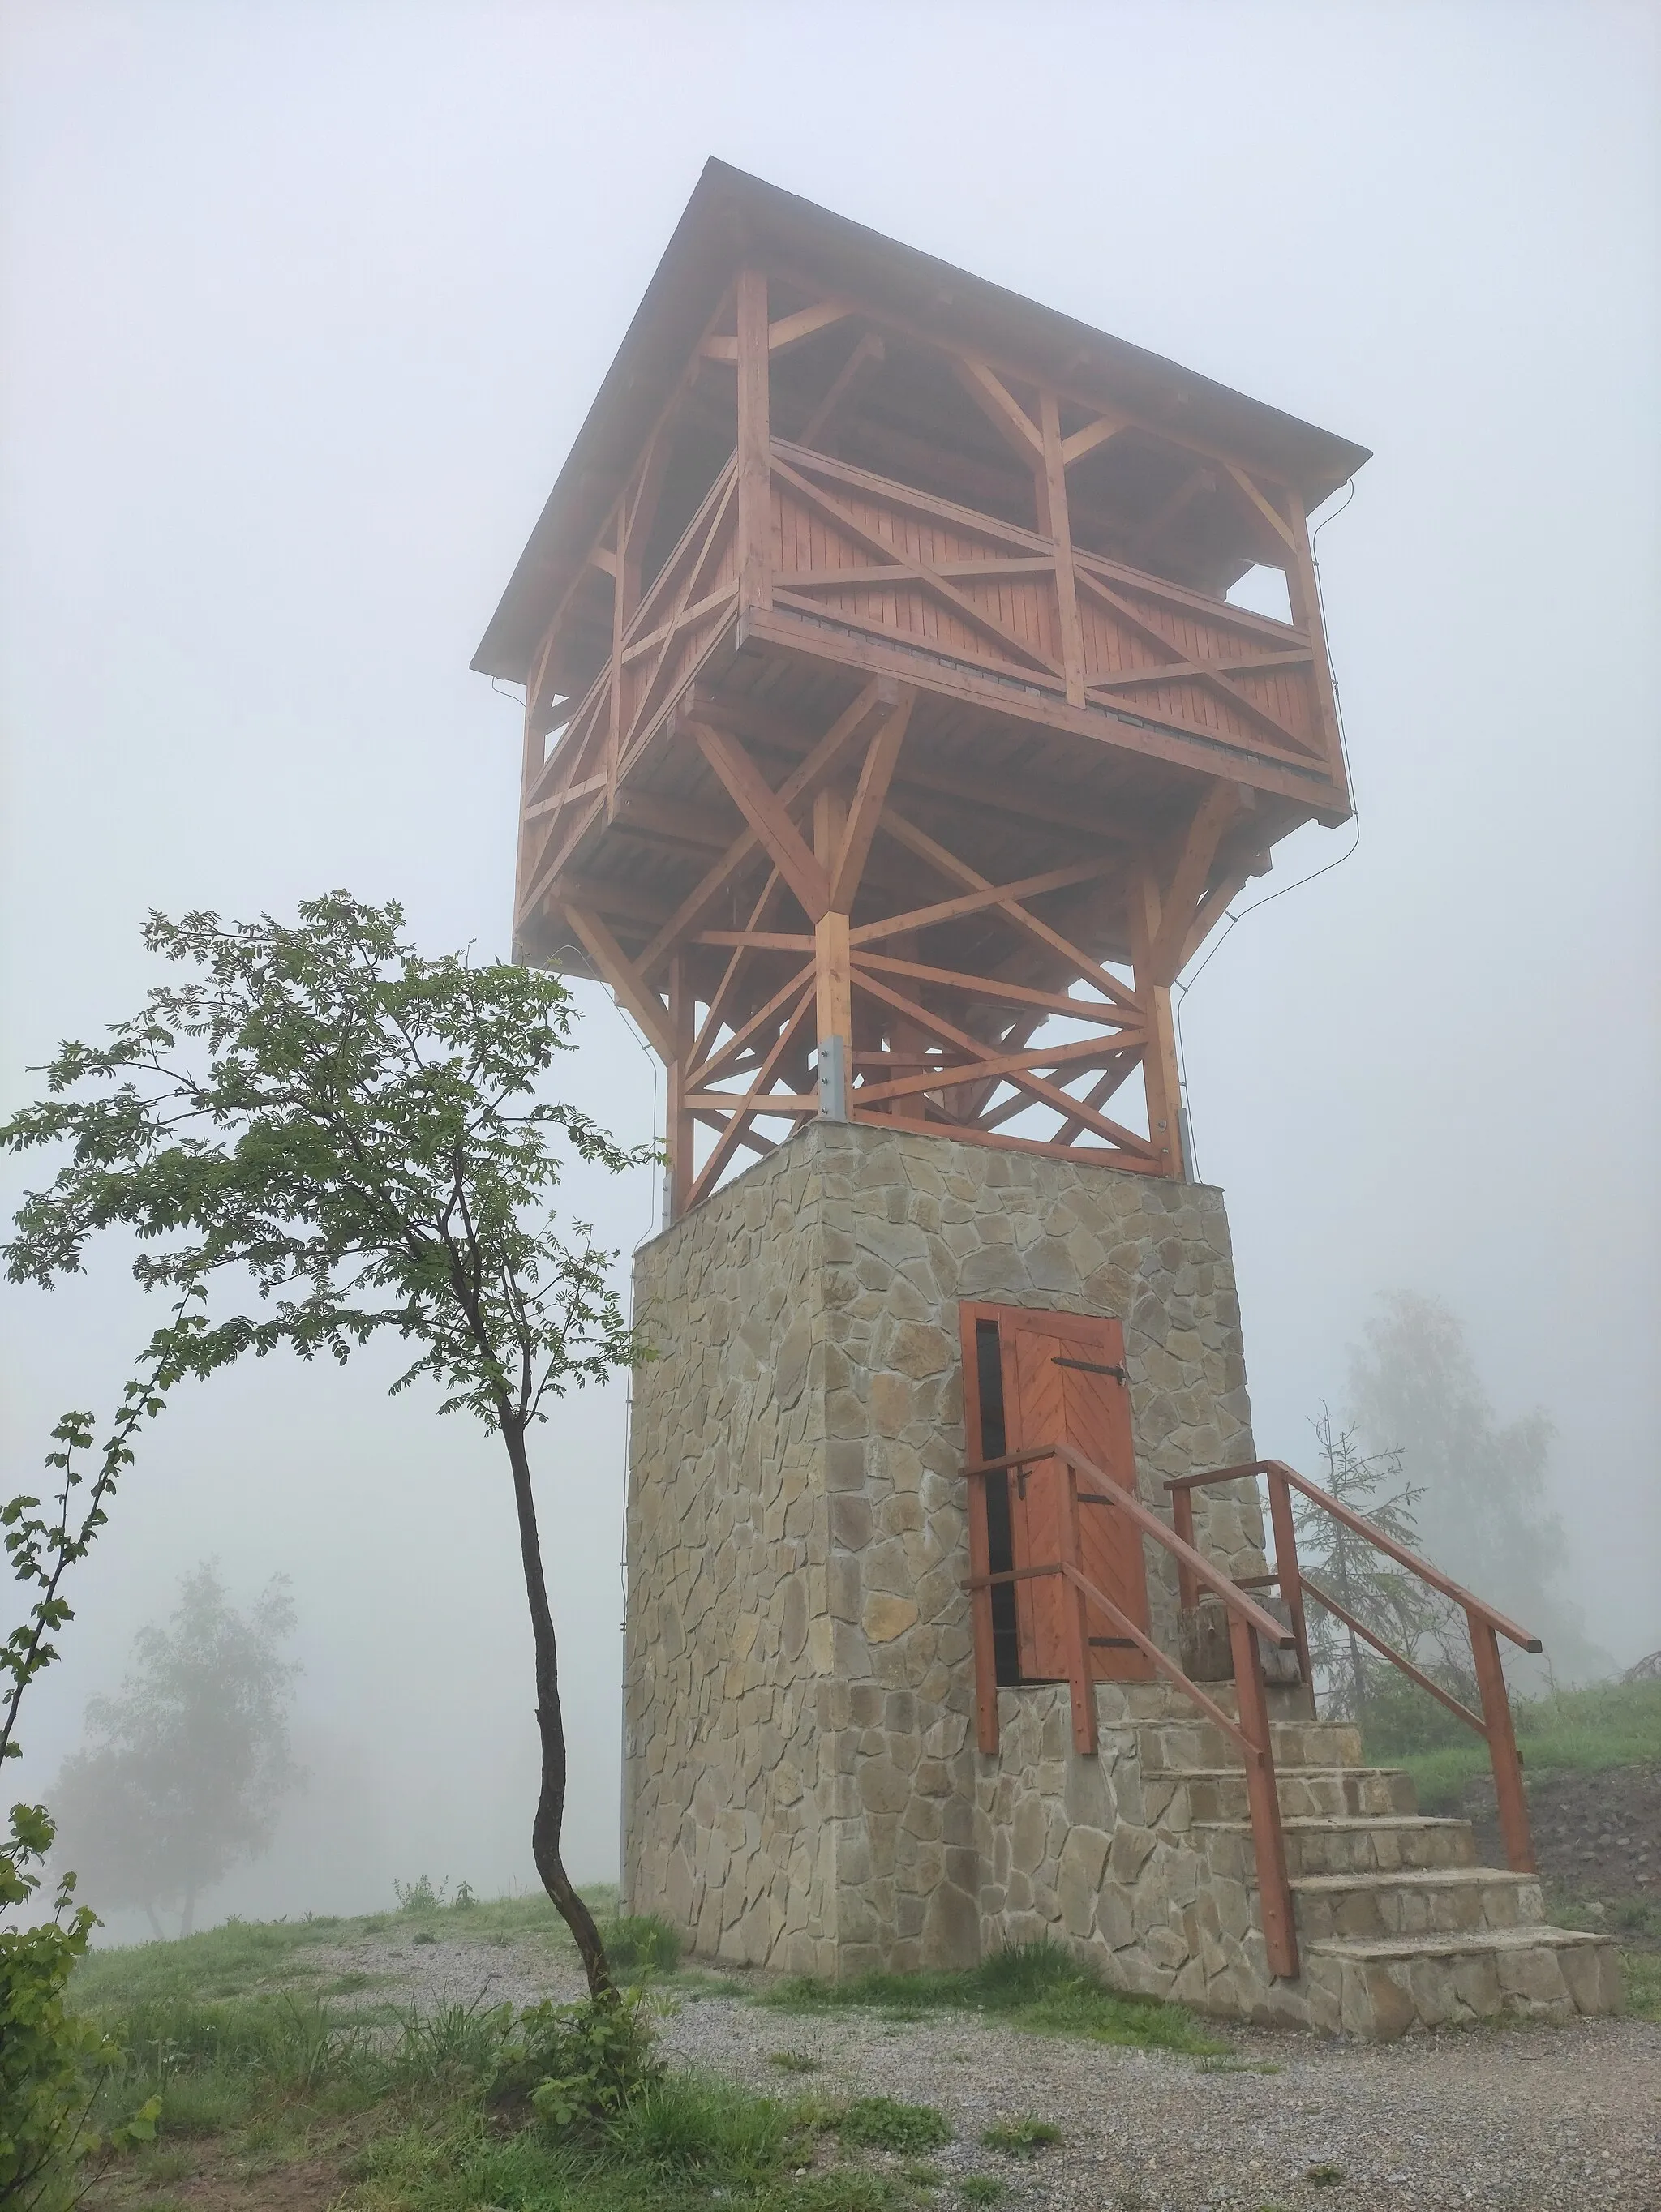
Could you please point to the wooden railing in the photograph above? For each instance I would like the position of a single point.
(1493, 1724)
(1247, 1621)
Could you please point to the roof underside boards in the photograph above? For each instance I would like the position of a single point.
(732, 219)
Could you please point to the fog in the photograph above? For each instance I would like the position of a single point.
(302, 307)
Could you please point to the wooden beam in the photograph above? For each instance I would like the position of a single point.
(747, 1104)
(1052, 493)
(865, 355)
(789, 331)
(1277, 523)
(800, 784)
(617, 970)
(678, 1124)
(1092, 434)
(754, 445)
(881, 758)
(1010, 901)
(997, 992)
(722, 1061)
(1180, 901)
(999, 406)
(1159, 1071)
(1304, 594)
(759, 804)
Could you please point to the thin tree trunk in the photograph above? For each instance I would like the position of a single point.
(156, 1925)
(550, 1724)
(187, 1915)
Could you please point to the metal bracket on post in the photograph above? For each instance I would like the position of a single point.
(833, 1079)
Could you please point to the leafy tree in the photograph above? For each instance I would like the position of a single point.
(1483, 1501)
(188, 1766)
(355, 1130)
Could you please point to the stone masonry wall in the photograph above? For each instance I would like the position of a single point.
(801, 1780)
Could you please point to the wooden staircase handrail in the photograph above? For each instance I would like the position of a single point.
(1484, 1623)
(1247, 1622)
(1466, 1599)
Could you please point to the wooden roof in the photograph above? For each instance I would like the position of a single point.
(733, 218)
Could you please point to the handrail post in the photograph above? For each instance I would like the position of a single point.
(980, 1605)
(1286, 1567)
(1263, 1800)
(1513, 1804)
(1080, 1676)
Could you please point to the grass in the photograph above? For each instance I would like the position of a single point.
(1642, 1971)
(1605, 1724)
(242, 1957)
(1022, 2138)
(1035, 1986)
(981, 2189)
(880, 2124)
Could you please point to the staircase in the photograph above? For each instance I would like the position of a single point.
(1398, 1927)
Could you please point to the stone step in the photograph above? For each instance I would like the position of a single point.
(1219, 1793)
(1168, 1747)
(1431, 1901)
(1394, 1843)
(1389, 1986)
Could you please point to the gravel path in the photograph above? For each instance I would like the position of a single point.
(1527, 2119)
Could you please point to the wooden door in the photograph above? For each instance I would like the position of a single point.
(1063, 1380)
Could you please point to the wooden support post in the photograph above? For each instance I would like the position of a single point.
(832, 969)
(680, 1121)
(1159, 1071)
(1511, 1799)
(1303, 597)
(1081, 1678)
(754, 446)
(1052, 509)
(1286, 1564)
(1262, 1799)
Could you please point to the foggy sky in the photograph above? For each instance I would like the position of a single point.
(302, 307)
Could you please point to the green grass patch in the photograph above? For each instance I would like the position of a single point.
(1022, 2138)
(881, 2124)
(1641, 1973)
(981, 2189)
(1035, 1986)
(1605, 1724)
(244, 1957)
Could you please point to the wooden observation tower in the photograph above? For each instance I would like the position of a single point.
(890, 744)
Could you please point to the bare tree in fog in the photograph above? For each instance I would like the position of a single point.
(1483, 1511)
(186, 1768)
(356, 1128)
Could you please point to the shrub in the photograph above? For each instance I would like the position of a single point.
(887, 2125)
(580, 2064)
(51, 2062)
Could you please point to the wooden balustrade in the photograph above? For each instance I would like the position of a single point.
(1485, 1625)
(1247, 1622)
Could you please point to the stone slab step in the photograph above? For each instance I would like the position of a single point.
(1170, 1746)
(1390, 1986)
(1219, 1793)
(1430, 1901)
(1387, 1843)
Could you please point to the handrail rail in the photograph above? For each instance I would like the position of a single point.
(1362, 1526)
(1247, 1621)
(1486, 1624)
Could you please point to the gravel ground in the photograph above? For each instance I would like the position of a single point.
(1527, 2119)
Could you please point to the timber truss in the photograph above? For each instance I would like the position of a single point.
(872, 804)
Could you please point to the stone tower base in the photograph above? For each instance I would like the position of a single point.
(800, 1778)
